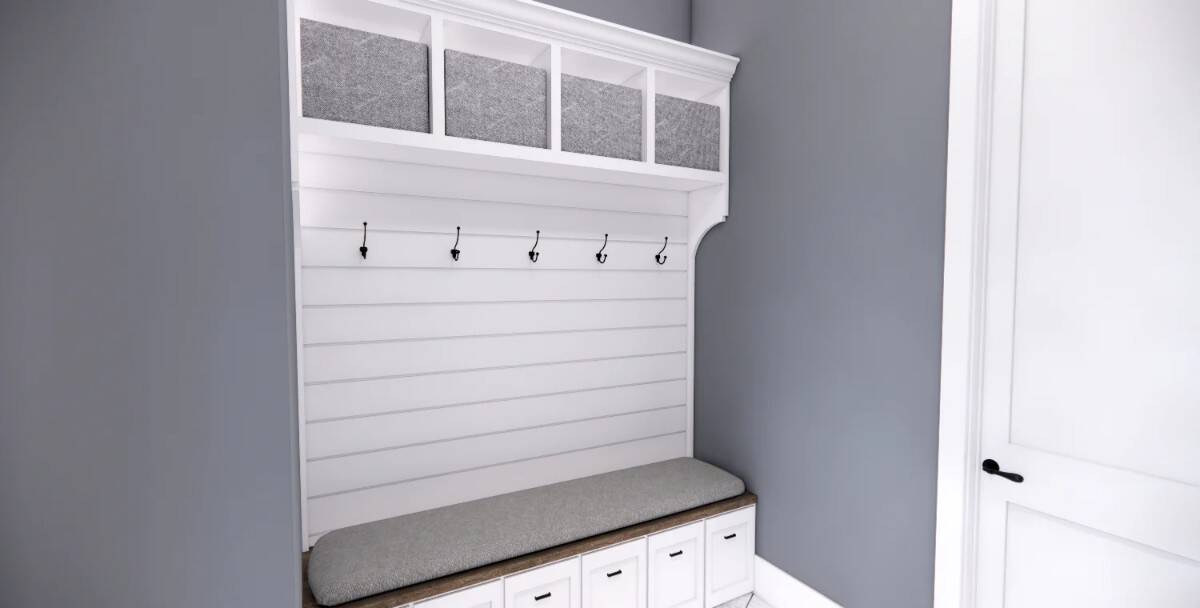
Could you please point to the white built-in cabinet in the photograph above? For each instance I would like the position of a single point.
(553, 586)
(700, 565)
(729, 556)
(487, 595)
(676, 559)
(616, 577)
(473, 316)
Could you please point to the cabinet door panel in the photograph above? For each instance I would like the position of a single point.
(553, 586)
(676, 560)
(729, 551)
(616, 577)
(487, 595)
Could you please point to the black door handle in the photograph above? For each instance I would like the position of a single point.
(991, 467)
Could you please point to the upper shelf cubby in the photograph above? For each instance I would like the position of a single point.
(688, 126)
(364, 63)
(603, 106)
(509, 85)
(497, 86)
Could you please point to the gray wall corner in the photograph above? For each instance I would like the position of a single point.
(818, 303)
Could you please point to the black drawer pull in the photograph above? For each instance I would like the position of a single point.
(730, 536)
(676, 554)
(538, 598)
(612, 574)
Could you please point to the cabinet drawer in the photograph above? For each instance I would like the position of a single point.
(616, 577)
(487, 595)
(676, 560)
(729, 551)
(553, 586)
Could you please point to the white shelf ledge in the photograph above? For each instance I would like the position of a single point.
(360, 141)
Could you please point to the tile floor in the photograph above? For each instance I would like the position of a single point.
(746, 601)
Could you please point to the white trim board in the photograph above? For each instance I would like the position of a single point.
(971, 41)
(781, 590)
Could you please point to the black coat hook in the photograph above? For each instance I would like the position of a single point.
(659, 257)
(600, 255)
(533, 253)
(363, 249)
(454, 250)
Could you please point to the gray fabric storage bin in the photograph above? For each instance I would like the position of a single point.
(601, 119)
(353, 76)
(687, 133)
(495, 100)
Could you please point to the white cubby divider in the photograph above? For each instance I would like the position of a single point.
(437, 75)
(555, 92)
(648, 115)
(621, 328)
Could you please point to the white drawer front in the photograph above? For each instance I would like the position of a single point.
(616, 577)
(553, 586)
(729, 545)
(487, 595)
(676, 559)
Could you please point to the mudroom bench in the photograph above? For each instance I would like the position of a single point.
(677, 533)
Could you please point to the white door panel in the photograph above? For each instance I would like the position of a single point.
(1091, 373)
(1053, 563)
(1107, 339)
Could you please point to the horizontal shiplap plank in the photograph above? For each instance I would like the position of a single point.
(347, 473)
(340, 400)
(380, 359)
(334, 286)
(365, 323)
(322, 208)
(346, 436)
(341, 510)
(386, 177)
(340, 248)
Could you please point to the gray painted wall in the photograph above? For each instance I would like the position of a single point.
(818, 303)
(670, 18)
(146, 440)
(146, 418)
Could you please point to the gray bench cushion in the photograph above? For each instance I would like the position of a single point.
(380, 556)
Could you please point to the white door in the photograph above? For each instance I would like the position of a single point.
(1091, 331)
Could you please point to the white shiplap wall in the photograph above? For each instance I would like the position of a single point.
(429, 382)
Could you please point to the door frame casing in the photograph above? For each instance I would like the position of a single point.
(963, 306)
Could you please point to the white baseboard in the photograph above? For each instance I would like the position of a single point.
(780, 590)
